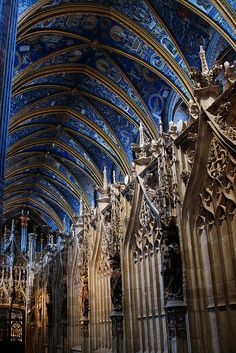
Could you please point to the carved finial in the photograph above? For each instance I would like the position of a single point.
(13, 225)
(72, 229)
(81, 207)
(114, 177)
(160, 126)
(230, 73)
(202, 54)
(12, 234)
(64, 224)
(105, 182)
(141, 135)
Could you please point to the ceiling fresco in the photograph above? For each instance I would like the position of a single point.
(87, 73)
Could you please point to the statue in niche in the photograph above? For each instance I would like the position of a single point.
(49, 308)
(49, 311)
(84, 297)
(116, 283)
(171, 269)
(40, 311)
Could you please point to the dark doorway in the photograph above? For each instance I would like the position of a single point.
(11, 330)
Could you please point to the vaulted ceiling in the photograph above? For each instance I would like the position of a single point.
(87, 73)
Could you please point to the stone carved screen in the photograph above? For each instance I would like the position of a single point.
(146, 324)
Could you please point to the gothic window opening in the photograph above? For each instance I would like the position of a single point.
(11, 327)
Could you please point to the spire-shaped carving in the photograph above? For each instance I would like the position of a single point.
(81, 207)
(202, 53)
(105, 182)
(12, 234)
(64, 225)
(160, 126)
(141, 136)
(114, 177)
(105, 190)
(207, 86)
(24, 222)
(205, 77)
(142, 150)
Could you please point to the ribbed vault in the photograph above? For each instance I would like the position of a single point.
(87, 73)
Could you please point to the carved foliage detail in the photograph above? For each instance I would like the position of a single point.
(221, 120)
(83, 266)
(13, 284)
(146, 238)
(112, 226)
(218, 197)
(160, 187)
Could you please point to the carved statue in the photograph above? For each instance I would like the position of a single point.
(171, 270)
(84, 297)
(49, 310)
(230, 74)
(194, 110)
(64, 302)
(116, 283)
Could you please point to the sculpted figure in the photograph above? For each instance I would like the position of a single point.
(171, 270)
(116, 283)
(84, 298)
(49, 310)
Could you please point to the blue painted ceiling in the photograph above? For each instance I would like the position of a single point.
(86, 74)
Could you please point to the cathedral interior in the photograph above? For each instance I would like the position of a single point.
(117, 176)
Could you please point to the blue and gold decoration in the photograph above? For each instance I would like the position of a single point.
(86, 74)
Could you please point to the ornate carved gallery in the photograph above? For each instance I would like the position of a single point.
(117, 176)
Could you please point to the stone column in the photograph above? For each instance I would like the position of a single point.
(24, 222)
(32, 246)
(8, 24)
